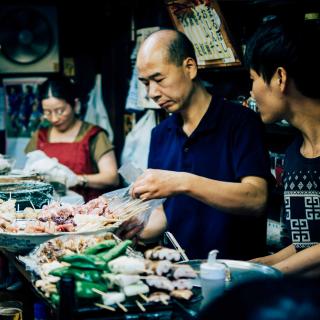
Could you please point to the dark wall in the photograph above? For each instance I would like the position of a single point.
(98, 35)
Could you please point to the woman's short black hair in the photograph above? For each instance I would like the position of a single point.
(291, 44)
(58, 86)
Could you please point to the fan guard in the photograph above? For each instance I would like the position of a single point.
(25, 36)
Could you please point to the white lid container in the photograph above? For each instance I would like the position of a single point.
(212, 269)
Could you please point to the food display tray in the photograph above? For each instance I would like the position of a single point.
(25, 242)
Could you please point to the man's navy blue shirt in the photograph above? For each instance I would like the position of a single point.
(227, 145)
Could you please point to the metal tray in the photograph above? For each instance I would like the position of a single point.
(241, 271)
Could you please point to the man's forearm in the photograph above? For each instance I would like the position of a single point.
(249, 195)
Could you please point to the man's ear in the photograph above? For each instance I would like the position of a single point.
(281, 77)
(191, 67)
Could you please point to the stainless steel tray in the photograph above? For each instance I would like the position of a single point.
(241, 271)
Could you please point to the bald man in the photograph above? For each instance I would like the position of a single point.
(208, 158)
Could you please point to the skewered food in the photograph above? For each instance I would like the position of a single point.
(158, 267)
(57, 217)
(126, 276)
(127, 265)
(135, 289)
(184, 271)
(7, 210)
(122, 280)
(113, 297)
(181, 294)
(162, 253)
(159, 296)
(182, 284)
(160, 283)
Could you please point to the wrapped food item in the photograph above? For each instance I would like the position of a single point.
(135, 289)
(122, 280)
(127, 265)
(113, 297)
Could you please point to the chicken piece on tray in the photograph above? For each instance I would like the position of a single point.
(159, 296)
(97, 206)
(183, 271)
(158, 267)
(7, 226)
(181, 294)
(162, 253)
(182, 284)
(160, 283)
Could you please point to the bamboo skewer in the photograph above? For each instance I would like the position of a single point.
(129, 216)
(145, 298)
(164, 301)
(99, 291)
(122, 307)
(103, 306)
(142, 308)
(140, 209)
(126, 208)
(33, 207)
(126, 204)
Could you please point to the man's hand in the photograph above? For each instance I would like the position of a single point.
(130, 228)
(156, 184)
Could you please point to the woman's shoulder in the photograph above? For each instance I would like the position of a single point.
(92, 131)
(85, 128)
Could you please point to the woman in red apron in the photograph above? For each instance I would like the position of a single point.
(82, 147)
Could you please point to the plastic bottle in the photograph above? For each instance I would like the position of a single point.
(67, 298)
(212, 276)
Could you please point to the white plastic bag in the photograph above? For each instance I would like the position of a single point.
(136, 146)
(137, 96)
(38, 161)
(96, 112)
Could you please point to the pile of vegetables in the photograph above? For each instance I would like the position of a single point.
(89, 268)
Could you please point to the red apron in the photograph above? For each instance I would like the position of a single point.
(74, 155)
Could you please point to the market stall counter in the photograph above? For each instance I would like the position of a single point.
(138, 292)
(99, 276)
(70, 256)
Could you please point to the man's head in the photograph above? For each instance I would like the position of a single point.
(167, 66)
(283, 54)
